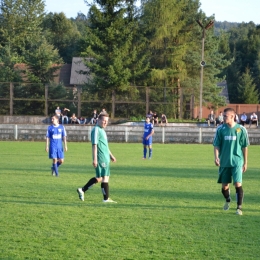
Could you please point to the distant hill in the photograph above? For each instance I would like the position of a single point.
(224, 26)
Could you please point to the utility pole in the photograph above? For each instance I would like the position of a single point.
(203, 63)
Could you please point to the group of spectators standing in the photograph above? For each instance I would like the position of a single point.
(212, 119)
(154, 118)
(63, 117)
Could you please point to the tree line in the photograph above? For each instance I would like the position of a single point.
(157, 43)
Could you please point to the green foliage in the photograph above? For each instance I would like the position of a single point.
(244, 42)
(177, 214)
(112, 45)
(42, 62)
(247, 92)
(63, 34)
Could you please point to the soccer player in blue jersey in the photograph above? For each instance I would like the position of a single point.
(230, 151)
(55, 135)
(147, 137)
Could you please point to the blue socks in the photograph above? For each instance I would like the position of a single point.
(55, 168)
(150, 153)
(145, 151)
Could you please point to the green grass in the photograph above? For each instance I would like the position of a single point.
(168, 208)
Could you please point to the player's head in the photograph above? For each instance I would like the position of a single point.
(229, 115)
(147, 119)
(103, 119)
(55, 120)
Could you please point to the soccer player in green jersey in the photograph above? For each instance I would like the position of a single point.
(230, 151)
(101, 159)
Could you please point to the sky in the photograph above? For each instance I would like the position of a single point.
(224, 10)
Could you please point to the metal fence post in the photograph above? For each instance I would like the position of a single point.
(113, 104)
(46, 100)
(11, 98)
(79, 89)
(147, 99)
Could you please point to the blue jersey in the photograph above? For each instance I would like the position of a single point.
(55, 135)
(148, 128)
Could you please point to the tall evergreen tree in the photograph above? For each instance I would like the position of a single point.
(20, 23)
(109, 45)
(247, 92)
(244, 42)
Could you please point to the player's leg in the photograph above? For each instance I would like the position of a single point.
(55, 167)
(150, 147)
(60, 162)
(88, 185)
(145, 149)
(105, 187)
(53, 154)
(237, 178)
(225, 179)
(104, 184)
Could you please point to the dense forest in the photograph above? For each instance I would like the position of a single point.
(158, 43)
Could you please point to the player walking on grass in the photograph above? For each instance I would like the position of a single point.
(101, 159)
(147, 137)
(55, 135)
(230, 151)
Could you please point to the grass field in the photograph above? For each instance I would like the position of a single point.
(168, 208)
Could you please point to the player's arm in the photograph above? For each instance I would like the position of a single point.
(216, 154)
(245, 153)
(94, 155)
(65, 143)
(47, 144)
(112, 157)
(148, 136)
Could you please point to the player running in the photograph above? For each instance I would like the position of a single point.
(147, 137)
(55, 135)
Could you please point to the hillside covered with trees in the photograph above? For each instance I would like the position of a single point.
(155, 44)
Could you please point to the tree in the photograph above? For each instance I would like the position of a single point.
(42, 62)
(244, 42)
(63, 34)
(247, 92)
(109, 45)
(20, 23)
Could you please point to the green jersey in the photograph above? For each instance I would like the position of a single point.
(99, 137)
(231, 141)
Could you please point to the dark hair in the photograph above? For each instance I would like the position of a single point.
(229, 109)
(57, 117)
(103, 114)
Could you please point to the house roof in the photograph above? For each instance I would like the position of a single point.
(77, 71)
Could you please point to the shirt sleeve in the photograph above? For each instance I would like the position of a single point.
(244, 139)
(94, 135)
(216, 140)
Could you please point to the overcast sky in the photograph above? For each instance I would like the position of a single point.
(224, 10)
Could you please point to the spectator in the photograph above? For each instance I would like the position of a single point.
(220, 119)
(150, 115)
(58, 113)
(163, 120)
(74, 119)
(102, 111)
(211, 118)
(65, 115)
(94, 117)
(155, 118)
(243, 119)
(253, 119)
(82, 120)
(236, 119)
